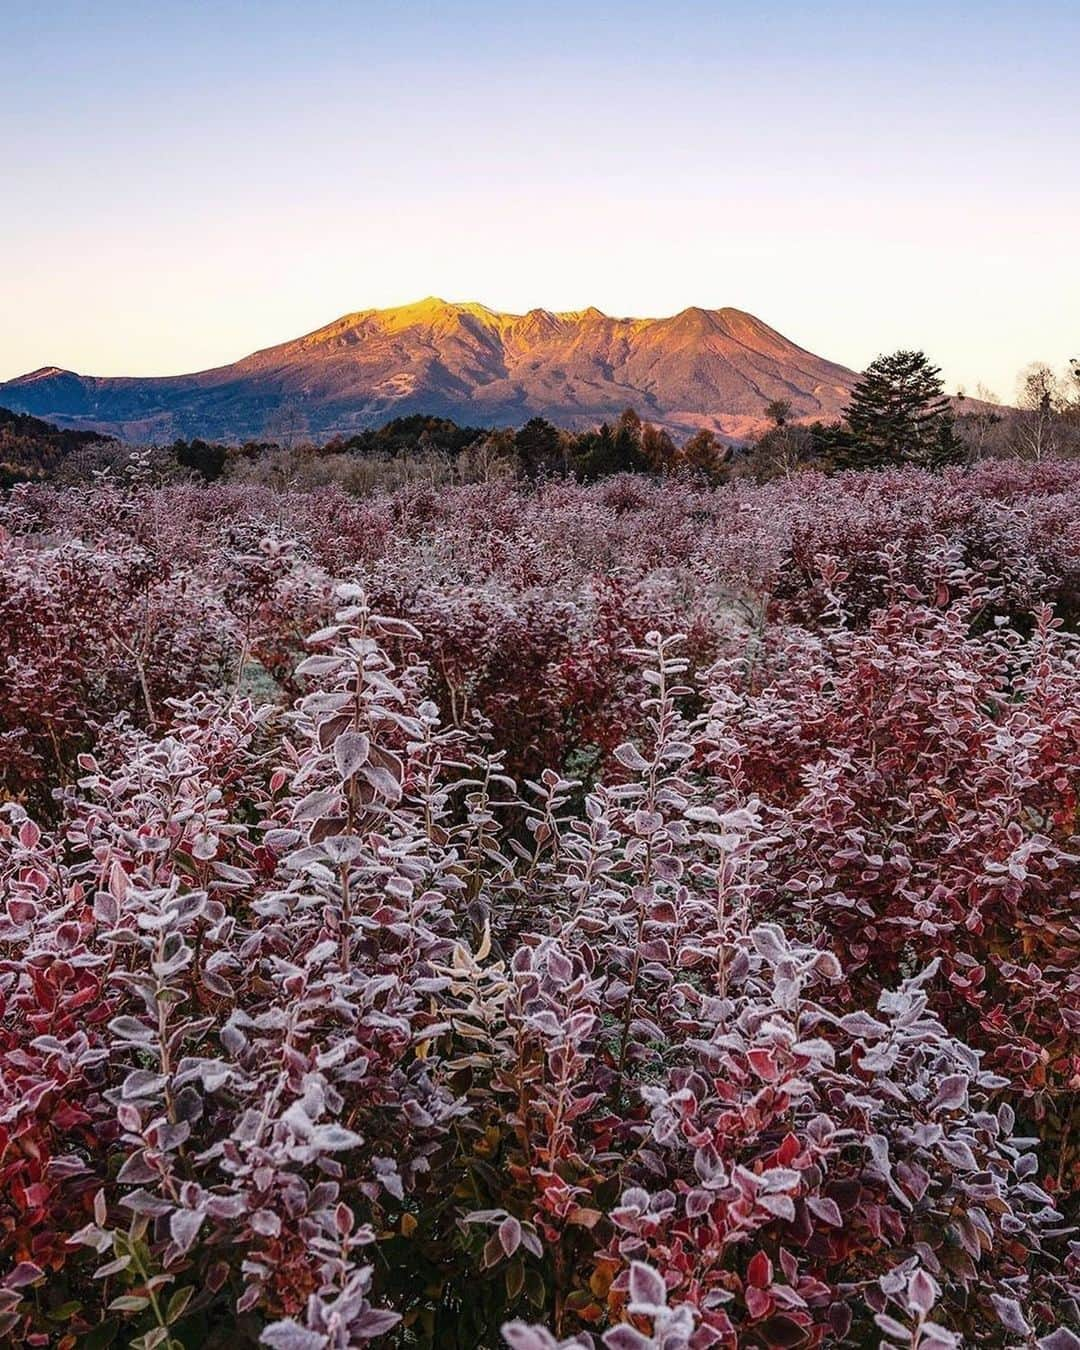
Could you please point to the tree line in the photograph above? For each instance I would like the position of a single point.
(898, 414)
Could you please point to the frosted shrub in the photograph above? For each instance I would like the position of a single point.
(322, 1027)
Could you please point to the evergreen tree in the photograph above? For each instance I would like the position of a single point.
(207, 460)
(899, 414)
(597, 453)
(538, 447)
(944, 448)
(611, 449)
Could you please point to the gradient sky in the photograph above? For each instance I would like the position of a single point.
(182, 183)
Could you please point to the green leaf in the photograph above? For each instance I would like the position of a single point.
(535, 1291)
(515, 1280)
(150, 1340)
(179, 1301)
(102, 1336)
(129, 1303)
(64, 1311)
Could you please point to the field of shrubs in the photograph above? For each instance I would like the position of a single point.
(639, 915)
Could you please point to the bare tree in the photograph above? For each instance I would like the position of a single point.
(1039, 399)
(980, 418)
(287, 425)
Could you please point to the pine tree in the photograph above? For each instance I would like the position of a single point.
(538, 448)
(899, 414)
(945, 447)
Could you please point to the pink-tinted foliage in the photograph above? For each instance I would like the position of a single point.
(632, 916)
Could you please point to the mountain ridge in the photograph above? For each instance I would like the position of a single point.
(715, 368)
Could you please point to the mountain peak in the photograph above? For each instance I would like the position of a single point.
(435, 306)
(714, 368)
(44, 373)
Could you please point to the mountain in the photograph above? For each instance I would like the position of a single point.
(700, 368)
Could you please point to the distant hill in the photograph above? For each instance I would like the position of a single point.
(32, 449)
(700, 368)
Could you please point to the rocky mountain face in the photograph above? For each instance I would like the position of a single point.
(700, 368)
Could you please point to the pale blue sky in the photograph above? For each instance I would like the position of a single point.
(185, 182)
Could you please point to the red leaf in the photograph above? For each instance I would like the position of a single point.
(760, 1271)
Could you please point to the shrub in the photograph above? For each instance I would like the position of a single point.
(352, 1014)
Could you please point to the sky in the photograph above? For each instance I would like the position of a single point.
(182, 183)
